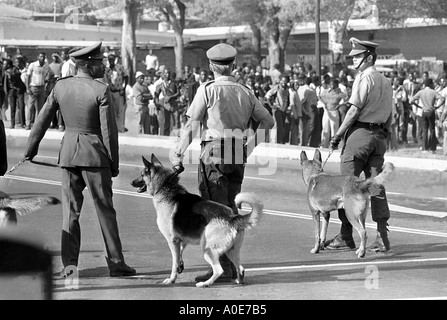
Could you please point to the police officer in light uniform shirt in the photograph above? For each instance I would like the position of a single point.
(365, 129)
(223, 108)
(88, 156)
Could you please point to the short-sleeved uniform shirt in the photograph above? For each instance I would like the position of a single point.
(373, 95)
(225, 107)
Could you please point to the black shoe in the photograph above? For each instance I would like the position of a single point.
(227, 276)
(339, 244)
(120, 269)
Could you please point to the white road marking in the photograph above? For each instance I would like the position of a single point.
(346, 264)
(403, 194)
(369, 225)
(424, 298)
(266, 211)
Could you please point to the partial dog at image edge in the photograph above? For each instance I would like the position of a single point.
(185, 218)
(10, 207)
(327, 193)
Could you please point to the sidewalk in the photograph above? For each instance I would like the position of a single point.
(262, 152)
(132, 138)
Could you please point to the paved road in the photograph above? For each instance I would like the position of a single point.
(276, 254)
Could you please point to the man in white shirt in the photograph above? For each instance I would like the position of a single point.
(151, 62)
(68, 66)
(38, 75)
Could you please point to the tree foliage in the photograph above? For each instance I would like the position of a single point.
(394, 13)
(47, 6)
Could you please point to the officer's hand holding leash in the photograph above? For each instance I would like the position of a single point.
(335, 141)
(177, 164)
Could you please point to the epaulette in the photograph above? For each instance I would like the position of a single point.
(62, 78)
(247, 87)
(206, 84)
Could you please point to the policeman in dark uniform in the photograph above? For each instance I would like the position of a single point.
(365, 129)
(3, 150)
(222, 108)
(88, 155)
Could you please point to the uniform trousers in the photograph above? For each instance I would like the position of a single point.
(364, 151)
(3, 150)
(99, 183)
(221, 182)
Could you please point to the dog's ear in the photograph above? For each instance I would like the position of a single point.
(317, 156)
(147, 164)
(155, 160)
(303, 156)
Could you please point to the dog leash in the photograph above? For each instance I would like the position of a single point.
(330, 153)
(18, 164)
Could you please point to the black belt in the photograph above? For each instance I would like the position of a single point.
(84, 131)
(369, 126)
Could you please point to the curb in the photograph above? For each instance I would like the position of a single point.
(264, 150)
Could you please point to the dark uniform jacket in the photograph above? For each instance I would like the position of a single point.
(91, 135)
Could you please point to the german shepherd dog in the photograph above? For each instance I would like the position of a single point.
(9, 207)
(327, 193)
(184, 218)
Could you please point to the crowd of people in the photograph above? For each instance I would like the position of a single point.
(26, 84)
(307, 109)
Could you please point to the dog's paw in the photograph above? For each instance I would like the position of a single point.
(315, 250)
(322, 245)
(168, 281)
(202, 285)
(360, 253)
(240, 279)
(180, 267)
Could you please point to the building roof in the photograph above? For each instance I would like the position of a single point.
(115, 13)
(216, 33)
(19, 32)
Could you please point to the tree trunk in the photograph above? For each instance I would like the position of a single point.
(178, 25)
(128, 44)
(178, 51)
(336, 30)
(273, 45)
(282, 43)
(256, 43)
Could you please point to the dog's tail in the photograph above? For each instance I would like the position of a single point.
(381, 179)
(247, 221)
(29, 204)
